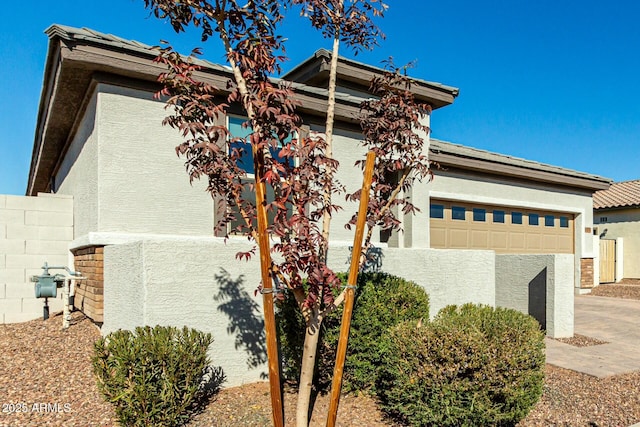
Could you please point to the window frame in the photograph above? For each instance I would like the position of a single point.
(520, 217)
(553, 221)
(436, 205)
(274, 151)
(479, 213)
(458, 208)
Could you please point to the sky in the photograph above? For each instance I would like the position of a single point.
(554, 81)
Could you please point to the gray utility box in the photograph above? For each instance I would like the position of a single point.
(47, 286)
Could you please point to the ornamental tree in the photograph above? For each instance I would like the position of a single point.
(298, 168)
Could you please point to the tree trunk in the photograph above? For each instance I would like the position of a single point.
(331, 105)
(311, 339)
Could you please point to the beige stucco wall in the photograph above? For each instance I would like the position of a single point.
(625, 224)
(484, 189)
(123, 171)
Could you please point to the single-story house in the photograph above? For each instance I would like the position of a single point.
(616, 216)
(492, 228)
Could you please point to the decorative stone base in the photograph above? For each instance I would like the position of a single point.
(586, 273)
(89, 295)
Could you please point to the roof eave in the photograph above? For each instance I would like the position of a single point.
(514, 171)
(436, 94)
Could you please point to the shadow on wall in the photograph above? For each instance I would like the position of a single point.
(538, 298)
(372, 262)
(245, 321)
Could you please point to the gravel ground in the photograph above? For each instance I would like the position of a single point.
(627, 288)
(45, 373)
(46, 377)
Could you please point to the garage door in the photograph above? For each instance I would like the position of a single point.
(460, 225)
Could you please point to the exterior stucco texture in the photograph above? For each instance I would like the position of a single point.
(197, 282)
(539, 285)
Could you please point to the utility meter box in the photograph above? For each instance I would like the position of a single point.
(46, 286)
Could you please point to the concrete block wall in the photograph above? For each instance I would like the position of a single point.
(33, 230)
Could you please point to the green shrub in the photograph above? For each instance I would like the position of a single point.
(472, 366)
(153, 376)
(382, 301)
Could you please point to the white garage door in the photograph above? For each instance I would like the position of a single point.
(461, 225)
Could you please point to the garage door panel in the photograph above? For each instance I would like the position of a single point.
(533, 232)
(458, 238)
(516, 240)
(550, 243)
(498, 240)
(438, 237)
(565, 244)
(480, 239)
(534, 242)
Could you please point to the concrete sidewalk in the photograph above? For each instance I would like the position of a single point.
(614, 320)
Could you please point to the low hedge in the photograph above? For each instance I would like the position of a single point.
(471, 366)
(382, 301)
(154, 376)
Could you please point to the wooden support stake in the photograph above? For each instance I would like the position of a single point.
(336, 385)
(267, 292)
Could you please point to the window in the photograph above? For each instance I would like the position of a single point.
(479, 214)
(603, 219)
(245, 162)
(458, 213)
(564, 222)
(436, 211)
(534, 219)
(498, 216)
(237, 131)
(246, 159)
(549, 220)
(516, 217)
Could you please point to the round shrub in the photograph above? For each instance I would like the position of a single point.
(382, 301)
(472, 366)
(153, 376)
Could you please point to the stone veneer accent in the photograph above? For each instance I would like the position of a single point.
(586, 273)
(89, 294)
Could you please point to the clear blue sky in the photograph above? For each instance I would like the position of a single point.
(548, 80)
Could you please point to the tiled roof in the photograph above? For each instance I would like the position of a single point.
(620, 194)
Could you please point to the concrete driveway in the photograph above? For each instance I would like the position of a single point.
(614, 320)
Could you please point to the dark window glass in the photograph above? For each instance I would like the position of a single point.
(437, 211)
(534, 219)
(498, 216)
(549, 220)
(458, 212)
(479, 214)
(245, 161)
(564, 222)
(516, 218)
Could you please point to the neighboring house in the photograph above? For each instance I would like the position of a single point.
(492, 229)
(616, 216)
